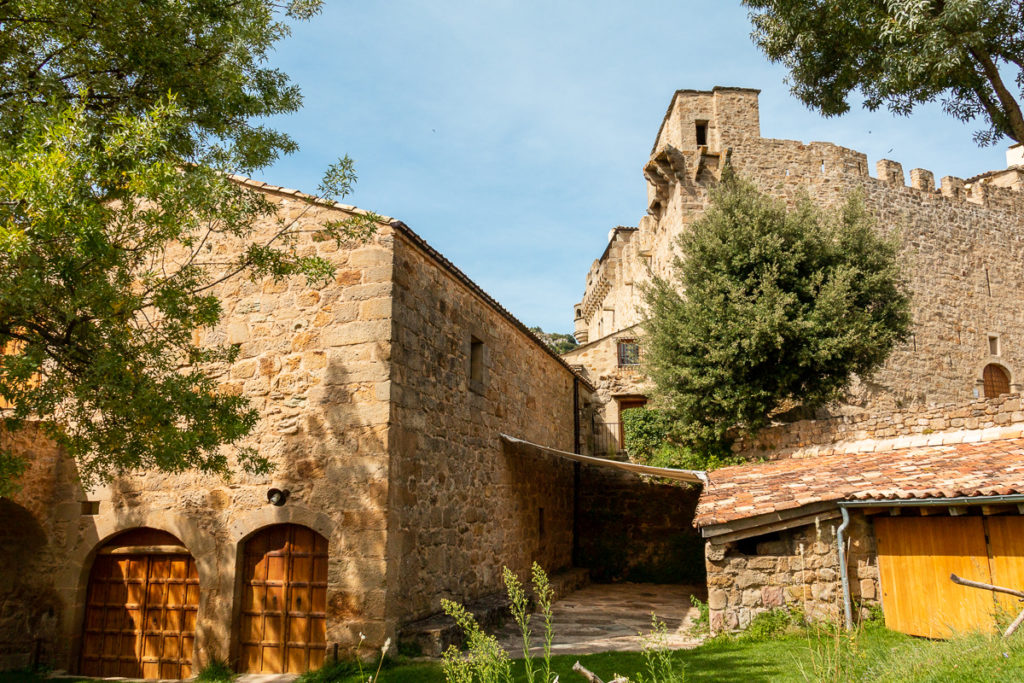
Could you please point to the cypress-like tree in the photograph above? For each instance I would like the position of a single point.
(767, 307)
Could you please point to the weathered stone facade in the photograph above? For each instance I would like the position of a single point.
(378, 422)
(638, 530)
(796, 568)
(960, 242)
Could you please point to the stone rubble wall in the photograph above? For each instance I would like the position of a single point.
(795, 569)
(600, 363)
(916, 425)
(637, 530)
(462, 505)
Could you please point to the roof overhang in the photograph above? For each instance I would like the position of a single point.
(689, 476)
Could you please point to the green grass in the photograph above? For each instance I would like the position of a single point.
(875, 654)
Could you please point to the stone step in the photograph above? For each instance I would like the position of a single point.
(430, 637)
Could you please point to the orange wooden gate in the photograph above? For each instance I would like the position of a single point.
(284, 602)
(140, 616)
(916, 555)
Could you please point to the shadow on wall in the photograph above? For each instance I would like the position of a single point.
(29, 606)
(632, 529)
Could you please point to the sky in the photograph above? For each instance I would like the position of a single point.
(511, 134)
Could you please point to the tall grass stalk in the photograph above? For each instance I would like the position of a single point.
(519, 605)
(542, 589)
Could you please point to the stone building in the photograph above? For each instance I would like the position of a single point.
(382, 396)
(923, 459)
(961, 251)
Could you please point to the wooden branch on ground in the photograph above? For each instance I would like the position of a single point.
(999, 589)
(592, 677)
(987, 586)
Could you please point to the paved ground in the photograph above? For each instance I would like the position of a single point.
(602, 617)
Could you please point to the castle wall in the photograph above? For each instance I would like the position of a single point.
(462, 505)
(961, 243)
(637, 530)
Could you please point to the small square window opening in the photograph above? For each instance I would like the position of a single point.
(476, 360)
(629, 353)
(702, 133)
(993, 345)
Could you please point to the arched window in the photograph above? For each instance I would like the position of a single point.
(996, 380)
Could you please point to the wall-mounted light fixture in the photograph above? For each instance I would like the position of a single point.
(277, 496)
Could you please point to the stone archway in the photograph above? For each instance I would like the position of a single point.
(283, 611)
(141, 607)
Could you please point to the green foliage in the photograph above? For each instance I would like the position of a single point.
(780, 307)
(519, 605)
(772, 624)
(557, 342)
(123, 57)
(649, 434)
(702, 624)
(119, 122)
(217, 671)
(901, 53)
(544, 594)
(660, 665)
(105, 282)
(484, 662)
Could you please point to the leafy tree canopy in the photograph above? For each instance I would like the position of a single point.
(105, 278)
(125, 56)
(900, 53)
(119, 123)
(769, 307)
(556, 341)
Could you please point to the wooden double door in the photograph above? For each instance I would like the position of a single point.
(284, 601)
(916, 555)
(141, 606)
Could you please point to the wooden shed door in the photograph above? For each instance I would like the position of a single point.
(284, 602)
(916, 555)
(140, 615)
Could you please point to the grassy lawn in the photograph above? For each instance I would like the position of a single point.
(874, 655)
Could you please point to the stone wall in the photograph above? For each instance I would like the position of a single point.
(599, 363)
(915, 425)
(315, 363)
(960, 243)
(462, 506)
(634, 529)
(797, 568)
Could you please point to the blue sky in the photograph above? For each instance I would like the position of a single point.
(511, 134)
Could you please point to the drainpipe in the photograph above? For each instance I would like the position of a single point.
(841, 540)
(576, 444)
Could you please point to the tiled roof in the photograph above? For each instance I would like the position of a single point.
(994, 468)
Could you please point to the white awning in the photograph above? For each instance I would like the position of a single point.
(692, 476)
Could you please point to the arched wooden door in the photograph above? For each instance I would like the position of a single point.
(141, 605)
(284, 601)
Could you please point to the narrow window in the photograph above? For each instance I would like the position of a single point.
(540, 522)
(629, 353)
(90, 507)
(476, 360)
(993, 345)
(702, 133)
(996, 381)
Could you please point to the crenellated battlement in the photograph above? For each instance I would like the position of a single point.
(962, 242)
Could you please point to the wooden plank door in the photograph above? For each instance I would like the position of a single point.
(916, 555)
(284, 603)
(140, 616)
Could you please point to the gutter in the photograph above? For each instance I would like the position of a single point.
(899, 502)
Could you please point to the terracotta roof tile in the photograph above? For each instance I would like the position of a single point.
(993, 468)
